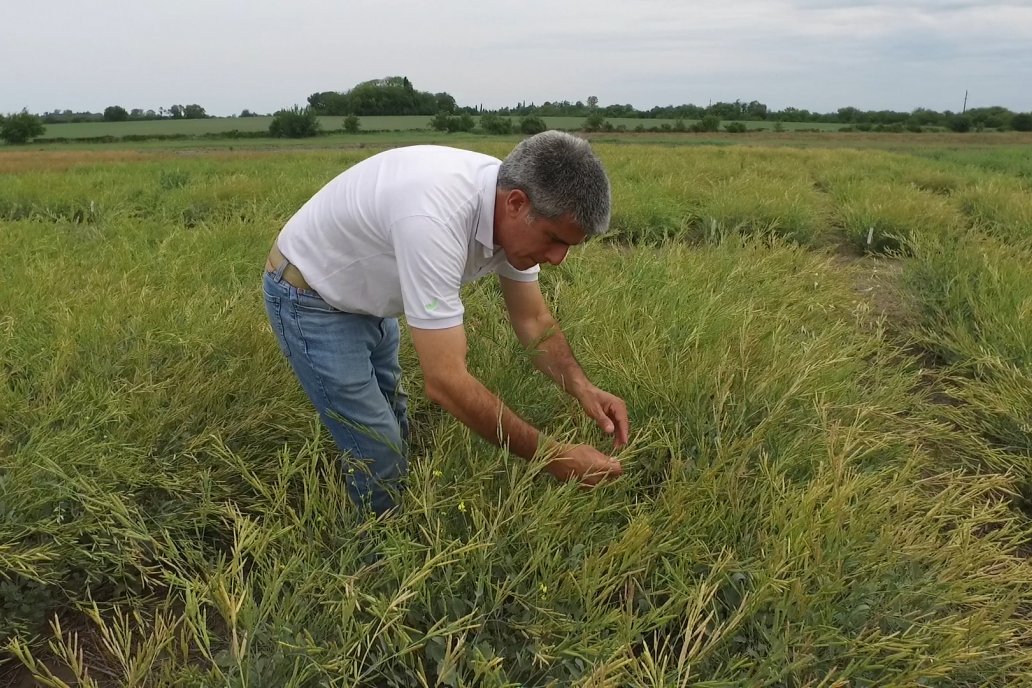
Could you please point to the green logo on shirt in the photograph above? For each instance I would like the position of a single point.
(432, 306)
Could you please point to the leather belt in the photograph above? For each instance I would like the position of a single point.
(291, 275)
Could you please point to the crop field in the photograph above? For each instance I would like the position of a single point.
(216, 125)
(826, 354)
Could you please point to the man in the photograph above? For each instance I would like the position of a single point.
(401, 232)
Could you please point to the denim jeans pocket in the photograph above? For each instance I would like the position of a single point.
(311, 301)
(273, 309)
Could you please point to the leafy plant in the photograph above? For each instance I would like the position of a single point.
(531, 125)
(21, 127)
(294, 123)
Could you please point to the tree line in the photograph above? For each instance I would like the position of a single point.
(117, 113)
(392, 95)
(395, 95)
(994, 117)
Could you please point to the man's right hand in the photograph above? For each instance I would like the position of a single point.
(583, 463)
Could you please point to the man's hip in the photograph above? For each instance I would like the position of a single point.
(278, 264)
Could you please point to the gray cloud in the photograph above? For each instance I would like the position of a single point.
(814, 54)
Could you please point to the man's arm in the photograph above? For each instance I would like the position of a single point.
(442, 356)
(536, 328)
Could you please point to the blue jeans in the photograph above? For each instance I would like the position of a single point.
(347, 364)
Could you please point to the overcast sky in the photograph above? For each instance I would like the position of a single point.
(267, 54)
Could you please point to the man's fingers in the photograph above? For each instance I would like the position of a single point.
(585, 464)
(595, 476)
(617, 427)
(603, 420)
(613, 421)
(623, 427)
(619, 415)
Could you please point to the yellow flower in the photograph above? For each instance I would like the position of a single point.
(462, 506)
(543, 588)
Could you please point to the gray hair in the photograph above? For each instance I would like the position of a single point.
(560, 174)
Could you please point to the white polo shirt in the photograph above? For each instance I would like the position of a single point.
(401, 232)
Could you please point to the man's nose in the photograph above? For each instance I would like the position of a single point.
(558, 254)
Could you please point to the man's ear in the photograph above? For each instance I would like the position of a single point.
(515, 201)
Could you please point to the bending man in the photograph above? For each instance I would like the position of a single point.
(400, 233)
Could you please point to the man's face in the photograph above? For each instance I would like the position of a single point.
(532, 240)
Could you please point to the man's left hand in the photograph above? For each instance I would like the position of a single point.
(609, 411)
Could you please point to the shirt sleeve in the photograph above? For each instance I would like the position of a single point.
(505, 269)
(431, 258)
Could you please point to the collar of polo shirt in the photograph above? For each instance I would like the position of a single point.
(485, 210)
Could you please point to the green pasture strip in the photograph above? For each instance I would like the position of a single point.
(195, 127)
(323, 142)
(1015, 160)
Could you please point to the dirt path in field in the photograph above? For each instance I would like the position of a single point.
(877, 282)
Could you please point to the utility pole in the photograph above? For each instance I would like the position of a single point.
(965, 102)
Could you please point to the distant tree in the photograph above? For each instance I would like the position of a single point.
(294, 123)
(136, 113)
(847, 115)
(445, 102)
(329, 103)
(439, 122)
(194, 112)
(994, 117)
(595, 121)
(442, 121)
(1022, 122)
(532, 124)
(21, 127)
(393, 95)
(756, 110)
(791, 114)
(247, 113)
(722, 110)
(618, 110)
(592, 102)
(352, 124)
(495, 124)
(176, 111)
(959, 124)
(709, 123)
(925, 117)
(735, 127)
(115, 113)
(463, 122)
